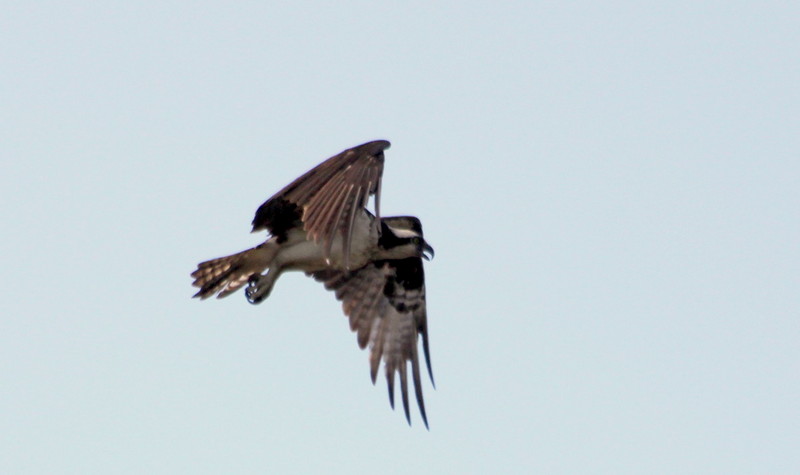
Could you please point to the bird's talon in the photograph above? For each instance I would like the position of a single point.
(250, 294)
(254, 292)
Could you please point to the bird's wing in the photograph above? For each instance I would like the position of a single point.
(385, 301)
(326, 199)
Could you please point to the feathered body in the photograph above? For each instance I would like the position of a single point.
(320, 224)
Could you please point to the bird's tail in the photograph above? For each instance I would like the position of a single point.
(225, 275)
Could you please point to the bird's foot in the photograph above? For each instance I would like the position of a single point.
(258, 288)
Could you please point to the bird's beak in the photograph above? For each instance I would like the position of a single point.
(427, 249)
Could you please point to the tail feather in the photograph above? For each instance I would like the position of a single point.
(226, 275)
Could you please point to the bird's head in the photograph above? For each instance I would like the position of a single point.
(401, 237)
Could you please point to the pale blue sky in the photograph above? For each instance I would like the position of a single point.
(612, 191)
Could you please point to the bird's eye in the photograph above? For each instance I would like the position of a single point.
(415, 240)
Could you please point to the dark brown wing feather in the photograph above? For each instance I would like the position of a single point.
(385, 302)
(327, 198)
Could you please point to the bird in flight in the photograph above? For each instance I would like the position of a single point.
(320, 224)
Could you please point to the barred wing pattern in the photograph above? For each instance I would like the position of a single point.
(327, 198)
(385, 302)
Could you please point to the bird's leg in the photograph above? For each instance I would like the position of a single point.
(259, 286)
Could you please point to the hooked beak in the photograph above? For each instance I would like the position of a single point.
(427, 249)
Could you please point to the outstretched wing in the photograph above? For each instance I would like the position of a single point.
(327, 198)
(386, 304)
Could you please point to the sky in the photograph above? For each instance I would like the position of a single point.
(612, 190)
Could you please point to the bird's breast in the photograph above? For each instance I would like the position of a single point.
(299, 252)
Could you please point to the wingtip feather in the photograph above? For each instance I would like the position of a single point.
(427, 351)
(404, 391)
(418, 385)
(390, 385)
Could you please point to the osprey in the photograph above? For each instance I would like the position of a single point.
(320, 224)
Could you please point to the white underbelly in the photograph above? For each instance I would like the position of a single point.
(299, 253)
